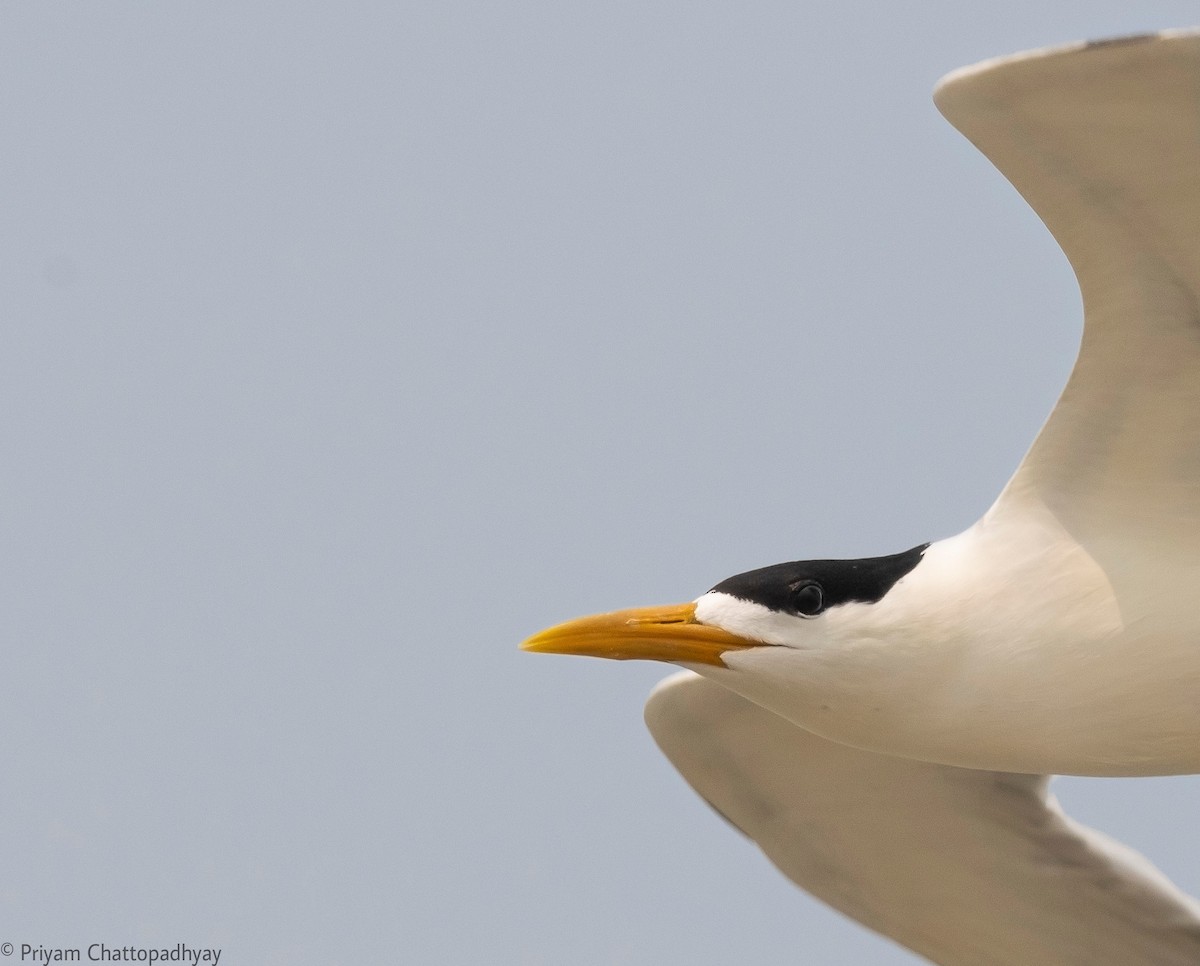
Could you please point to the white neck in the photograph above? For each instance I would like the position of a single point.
(1004, 648)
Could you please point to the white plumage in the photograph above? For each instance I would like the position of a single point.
(881, 736)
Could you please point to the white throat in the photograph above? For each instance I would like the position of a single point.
(1004, 648)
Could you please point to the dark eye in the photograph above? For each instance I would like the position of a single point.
(808, 599)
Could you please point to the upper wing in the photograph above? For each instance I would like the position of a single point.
(965, 867)
(1103, 140)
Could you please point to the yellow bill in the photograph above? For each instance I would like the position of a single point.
(669, 633)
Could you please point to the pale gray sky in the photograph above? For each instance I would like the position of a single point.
(347, 344)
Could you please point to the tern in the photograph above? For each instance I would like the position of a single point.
(884, 728)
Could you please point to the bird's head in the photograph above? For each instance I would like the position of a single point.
(787, 605)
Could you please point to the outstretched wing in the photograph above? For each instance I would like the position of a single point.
(1103, 140)
(967, 868)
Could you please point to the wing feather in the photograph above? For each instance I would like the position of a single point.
(967, 868)
(1103, 141)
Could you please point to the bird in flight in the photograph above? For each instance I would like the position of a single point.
(884, 728)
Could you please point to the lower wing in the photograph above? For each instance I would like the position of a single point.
(967, 868)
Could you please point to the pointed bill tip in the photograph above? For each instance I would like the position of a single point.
(669, 633)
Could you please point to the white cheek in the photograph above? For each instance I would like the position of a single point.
(753, 621)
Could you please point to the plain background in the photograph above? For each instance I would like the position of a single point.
(347, 344)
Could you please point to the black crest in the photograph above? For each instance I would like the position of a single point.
(807, 587)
